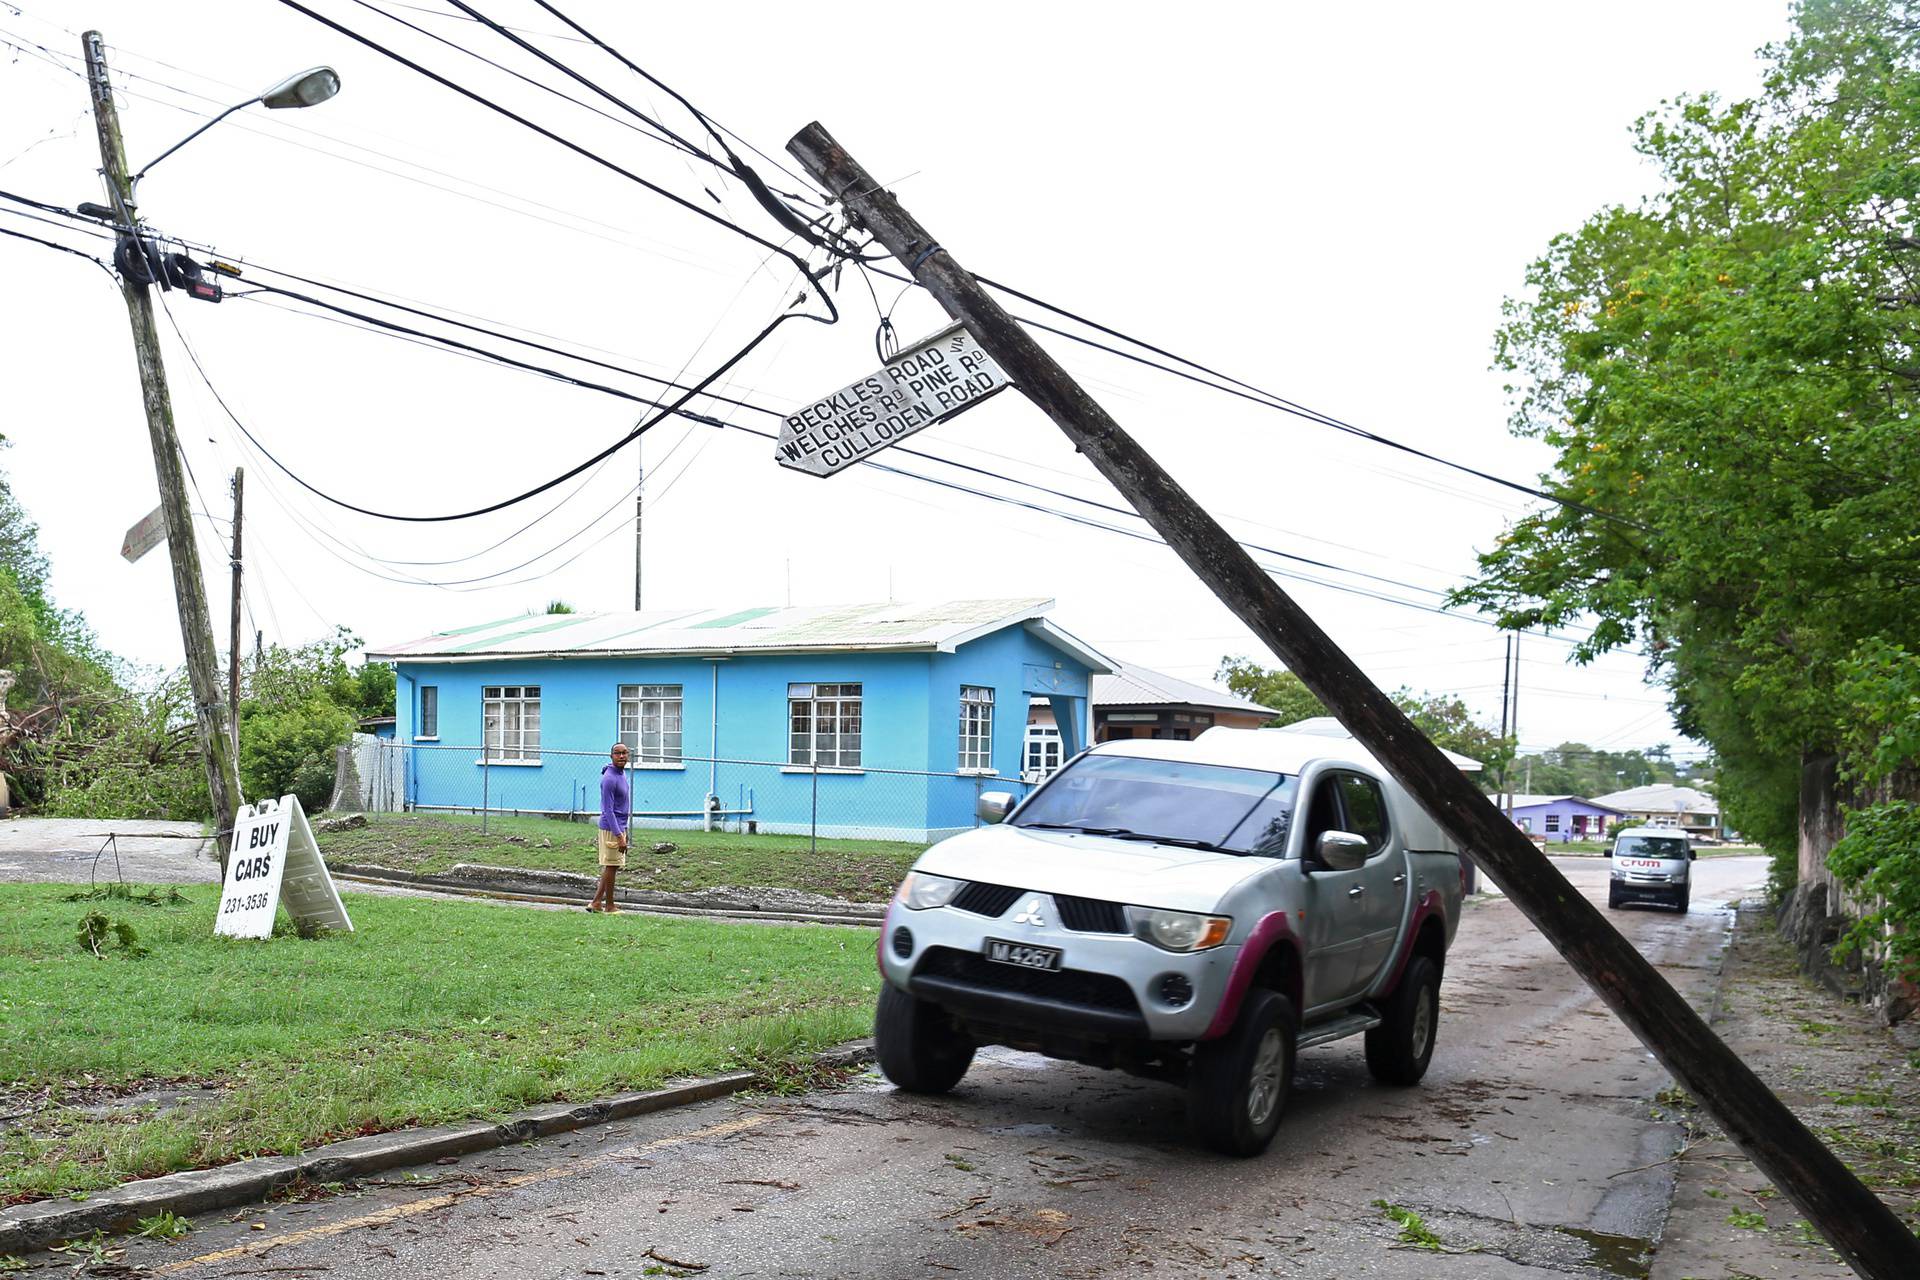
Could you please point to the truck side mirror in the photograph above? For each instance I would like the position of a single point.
(992, 806)
(1341, 850)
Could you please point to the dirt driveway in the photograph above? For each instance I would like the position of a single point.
(80, 850)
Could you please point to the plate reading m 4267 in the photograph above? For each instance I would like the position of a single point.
(929, 381)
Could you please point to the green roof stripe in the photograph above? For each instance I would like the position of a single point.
(474, 645)
(733, 619)
(484, 626)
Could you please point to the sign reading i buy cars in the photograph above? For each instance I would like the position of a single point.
(929, 381)
(274, 860)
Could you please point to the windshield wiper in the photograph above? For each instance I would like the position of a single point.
(1074, 826)
(1184, 842)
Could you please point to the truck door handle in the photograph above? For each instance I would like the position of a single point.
(1401, 878)
(1356, 891)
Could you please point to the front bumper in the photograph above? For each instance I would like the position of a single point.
(1109, 985)
(1648, 889)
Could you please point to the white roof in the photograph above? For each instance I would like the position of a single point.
(1328, 727)
(1661, 797)
(1532, 802)
(877, 628)
(1134, 686)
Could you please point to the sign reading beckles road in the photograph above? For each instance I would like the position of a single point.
(929, 381)
(274, 854)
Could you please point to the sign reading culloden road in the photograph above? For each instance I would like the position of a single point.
(929, 381)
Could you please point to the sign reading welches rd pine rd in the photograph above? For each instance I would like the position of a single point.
(929, 381)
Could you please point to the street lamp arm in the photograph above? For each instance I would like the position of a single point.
(134, 182)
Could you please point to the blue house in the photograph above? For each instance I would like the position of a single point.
(875, 721)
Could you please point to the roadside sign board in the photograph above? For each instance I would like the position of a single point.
(929, 381)
(275, 859)
(149, 533)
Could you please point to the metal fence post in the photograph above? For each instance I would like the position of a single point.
(486, 783)
(813, 825)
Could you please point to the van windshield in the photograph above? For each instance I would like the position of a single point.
(1204, 806)
(1651, 847)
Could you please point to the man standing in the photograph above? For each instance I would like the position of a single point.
(616, 803)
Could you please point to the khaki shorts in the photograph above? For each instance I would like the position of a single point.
(611, 854)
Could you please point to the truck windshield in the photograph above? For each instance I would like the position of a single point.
(1651, 847)
(1239, 811)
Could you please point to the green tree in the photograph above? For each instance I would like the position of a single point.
(1727, 370)
(288, 749)
(1274, 687)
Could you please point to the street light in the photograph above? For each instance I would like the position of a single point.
(304, 89)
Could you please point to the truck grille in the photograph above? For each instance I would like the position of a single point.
(985, 899)
(1068, 986)
(1090, 915)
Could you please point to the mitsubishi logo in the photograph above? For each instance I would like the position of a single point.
(1030, 914)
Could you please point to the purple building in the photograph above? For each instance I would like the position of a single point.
(1562, 818)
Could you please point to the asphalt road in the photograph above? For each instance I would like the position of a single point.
(1532, 1149)
(77, 850)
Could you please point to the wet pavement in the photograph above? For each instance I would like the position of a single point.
(1535, 1147)
(85, 850)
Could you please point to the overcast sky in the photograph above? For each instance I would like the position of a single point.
(1329, 201)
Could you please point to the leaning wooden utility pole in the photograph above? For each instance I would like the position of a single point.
(1873, 1241)
(189, 591)
(233, 614)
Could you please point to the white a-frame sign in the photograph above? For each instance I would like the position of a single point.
(274, 858)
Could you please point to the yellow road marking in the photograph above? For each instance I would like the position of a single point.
(399, 1212)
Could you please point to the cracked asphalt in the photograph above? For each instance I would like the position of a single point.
(1535, 1147)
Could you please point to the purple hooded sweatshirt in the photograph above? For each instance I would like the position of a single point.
(616, 799)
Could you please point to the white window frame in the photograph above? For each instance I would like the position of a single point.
(1553, 824)
(1041, 757)
(518, 743)
(662, 744)
(429, 694)
(837, 703)
(976, 728)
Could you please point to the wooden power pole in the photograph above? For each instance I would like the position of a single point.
(189, 590)
(233, 615)
(1873, 1241)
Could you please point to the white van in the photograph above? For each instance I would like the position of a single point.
(1650, 864)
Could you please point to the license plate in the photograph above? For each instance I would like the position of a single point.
(1019, 953)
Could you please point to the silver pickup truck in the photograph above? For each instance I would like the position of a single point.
(1190, 911)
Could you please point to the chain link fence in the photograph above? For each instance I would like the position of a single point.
(745, 796)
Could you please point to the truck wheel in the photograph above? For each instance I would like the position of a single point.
(1399, 1049)
(1682, 902)
(1239, 1083)
(1613, 898)
(916, 1043)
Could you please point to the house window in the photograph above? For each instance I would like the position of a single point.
(650, 722)
(823, 725)
(512, 721)
(429, 724)
(1553, 822)
(976, 727)
(1043, 753)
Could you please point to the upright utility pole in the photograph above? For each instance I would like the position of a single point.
(1506, 691)
(640, 521)
(189, 591)
(1873, 1241)
(233, 617)
(1516, 726)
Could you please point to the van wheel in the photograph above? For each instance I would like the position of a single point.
(1399, 1049)
(1613, 898)
(1682, 902)
(1239, 1083)
(916, 1043)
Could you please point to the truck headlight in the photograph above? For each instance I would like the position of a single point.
(1178, 930)
(919, 891)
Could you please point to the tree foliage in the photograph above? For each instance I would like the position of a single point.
(1729, 369)
(1274, 687)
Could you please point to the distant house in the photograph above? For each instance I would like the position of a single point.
(1132, 701)
(879, 720)
(1667, 805)
(1561, 818)
(378, 726)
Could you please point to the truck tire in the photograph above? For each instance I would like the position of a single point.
(1684, 900)
(1613, 898)
(916, 1043)
(1399, 1049)
(1239, 1083)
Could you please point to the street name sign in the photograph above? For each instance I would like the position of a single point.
(275, 859)
(144, 536)
(929, 381)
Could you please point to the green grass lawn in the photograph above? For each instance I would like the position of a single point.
(861, 870)
(433, 1011)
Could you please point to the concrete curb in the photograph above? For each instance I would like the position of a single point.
(565, 888)
(33, 1226)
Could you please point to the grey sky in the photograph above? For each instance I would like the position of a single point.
(1330, 201)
